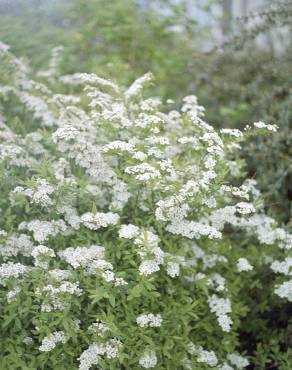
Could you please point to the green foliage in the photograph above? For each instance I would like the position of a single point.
(33, 29)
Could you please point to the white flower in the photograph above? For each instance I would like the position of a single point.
(232, 132)
(119, 146)
(285, 290)
(12, 294)
(144, 172)
(148, 360)
(11, 270)
(245, 208)
(283, 267)
(17, 244)
(89, 78)
(57, 296)
(218, 282)
(41, 254)
(42, 230)
(191, 105)
(173, 269)
(193, 230)
(82, 256)
(207, 357)
(221, 307)
(225, 322)
(50, 342)
(225, 366)
(98, 327)
(238, 361)
(148, 267)
(129, 231)
(71, 216)
(243, 265)
(60, 275)
(27, 340)
(149, 320)
(95, 221)
(269, 127)
(92, 355)
(136, 88)
(41, 193)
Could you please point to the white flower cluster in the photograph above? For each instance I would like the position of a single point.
(38, 107)
(82, 256)
(27, 340)
(40, 194)
(136, 88)
(129, 231)
(225, 366)
(12, 270)
(210, 358)
(151, 255)
(59, 275)
(92, 355)
(77, 142)
(284, 290)
(238, 361)
(54, 62)
(62, 172)
(173, 269)
(148, 360)
(144, 172)
(221, 307)
(243, 265)
(55, 298)
(15, 245)
(90, 79)
(190, 104)
(207, 357)
(245, 208)
(99, 328)
(194, 230)
(120, 196)
(209, 260)
(50, 342)
(91, 259)
(12, 294)
(41, 254)
(264, 228)
(217, 282)
(232, 132)
(42, 230)
(284, 267)
(71, 216)
(14, 154)
(96, 221)
(119, 146)
(268, 127)
(149, 320)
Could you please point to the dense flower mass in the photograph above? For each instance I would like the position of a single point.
(121, 225)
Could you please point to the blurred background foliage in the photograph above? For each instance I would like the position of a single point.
(235, 55)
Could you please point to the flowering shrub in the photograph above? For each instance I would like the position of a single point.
(121, 227)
